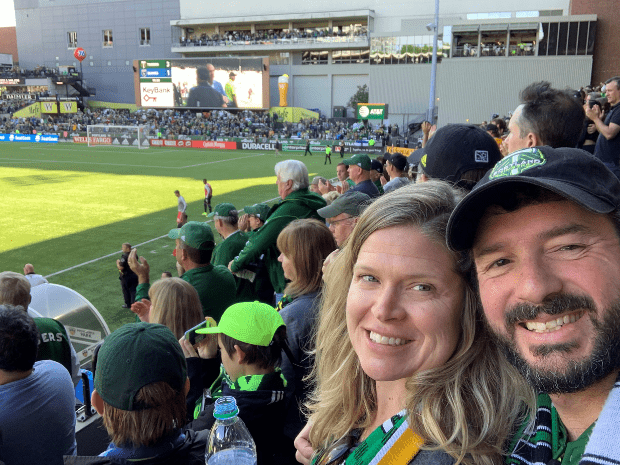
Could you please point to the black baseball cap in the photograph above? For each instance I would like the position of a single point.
(456, 149)
(398, 161)
(376, 165)
(571, 173)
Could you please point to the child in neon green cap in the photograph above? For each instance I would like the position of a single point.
(250, 338)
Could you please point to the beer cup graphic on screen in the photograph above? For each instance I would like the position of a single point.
(283, 88)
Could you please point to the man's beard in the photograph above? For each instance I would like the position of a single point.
(578, 374)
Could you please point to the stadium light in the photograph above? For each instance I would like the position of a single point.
(431, 100)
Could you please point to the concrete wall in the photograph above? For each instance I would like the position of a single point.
(8, 42)
(42, 28)
(472, 89)
(388, 14)
(606, 57)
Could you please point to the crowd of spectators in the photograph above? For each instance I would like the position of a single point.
(171, 124)
(274, 36)
(412, 360)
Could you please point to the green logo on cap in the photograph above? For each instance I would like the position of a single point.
(518, 162)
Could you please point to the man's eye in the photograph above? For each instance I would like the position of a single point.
(571, 247)
(500, 262)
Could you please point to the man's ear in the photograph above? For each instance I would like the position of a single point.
(533, 140)
(240, 355)
(97, 402)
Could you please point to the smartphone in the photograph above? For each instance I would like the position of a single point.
(335, 182)
(193, 337)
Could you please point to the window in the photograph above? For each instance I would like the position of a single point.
(350, 56)
(107, 38)
(145, 36)
(72, 39)
(314, 58)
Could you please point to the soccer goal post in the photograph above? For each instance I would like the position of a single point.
(122, 136)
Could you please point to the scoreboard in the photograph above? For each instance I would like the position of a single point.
(168, 83)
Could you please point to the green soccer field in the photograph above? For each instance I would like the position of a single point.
(68, 208)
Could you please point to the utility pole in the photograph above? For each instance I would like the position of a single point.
(431, 101)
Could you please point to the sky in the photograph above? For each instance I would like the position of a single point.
(7, 18)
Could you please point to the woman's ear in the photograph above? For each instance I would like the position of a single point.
(97, 402)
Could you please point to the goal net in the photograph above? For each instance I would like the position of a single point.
(123, 136)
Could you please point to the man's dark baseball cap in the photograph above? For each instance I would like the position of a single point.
(398, 161)
(376, 165)
(134, 356)
(231, 74)
(351, 202)
(571, 173)
(456, 149)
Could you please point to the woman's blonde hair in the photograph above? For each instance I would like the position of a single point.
(175, 304)
(465, 407)
(307, 243)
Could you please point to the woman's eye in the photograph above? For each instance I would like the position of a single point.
(422, 287)
(368, 278)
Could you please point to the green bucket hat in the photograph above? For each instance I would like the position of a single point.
(259, 210)
(195, 234)
(360, 159)
(222, 209)
(250, 322)
(134, 356)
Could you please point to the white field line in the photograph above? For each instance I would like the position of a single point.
(28, 160)
(137, 245)
(79, 149)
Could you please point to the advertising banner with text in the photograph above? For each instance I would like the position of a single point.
(41, 138)
(210, 144)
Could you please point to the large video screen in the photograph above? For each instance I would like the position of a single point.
(203, 83)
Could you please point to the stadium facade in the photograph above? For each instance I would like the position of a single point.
(488, 51)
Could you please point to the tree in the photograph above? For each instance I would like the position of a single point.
(360, 96)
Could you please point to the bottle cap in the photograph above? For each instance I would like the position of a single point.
(225, 407)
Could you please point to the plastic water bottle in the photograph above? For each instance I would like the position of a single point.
(230, 442)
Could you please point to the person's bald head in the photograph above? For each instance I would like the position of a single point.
(28, 268)
(14, 289)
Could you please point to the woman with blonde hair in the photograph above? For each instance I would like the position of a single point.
(303, 244)
(405, 370)
(173, 303)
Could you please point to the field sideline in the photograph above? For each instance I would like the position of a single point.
(68, 208)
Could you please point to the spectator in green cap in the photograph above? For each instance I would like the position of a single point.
(359, 172)
(250, 337)
(225, 219)
(254, 218)
(250, 223)
(215, 285)
(142, 399)
(297, 202)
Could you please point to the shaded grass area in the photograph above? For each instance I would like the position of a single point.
(68, 204)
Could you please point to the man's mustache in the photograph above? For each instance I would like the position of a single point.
(553, 305)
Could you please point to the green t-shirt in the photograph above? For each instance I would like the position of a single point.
(215, 285)
(216, 288)
(54, 342)
(224, 253)
(549, 433)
